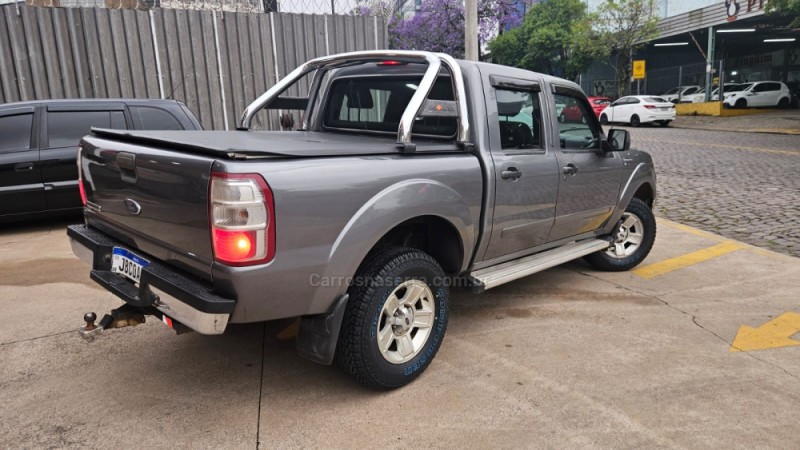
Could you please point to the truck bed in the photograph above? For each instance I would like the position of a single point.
(267, 144)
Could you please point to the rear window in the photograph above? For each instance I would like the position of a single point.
(377, 104)
(16, 132)
(66, 128)
(655, 100)
(602, 101)
(149, 118)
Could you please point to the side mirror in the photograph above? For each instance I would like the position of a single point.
(617, 140)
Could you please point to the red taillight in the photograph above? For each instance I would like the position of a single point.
(234, 245)
(242, 213)
(391, 63)
(649, 106)
(81, 187)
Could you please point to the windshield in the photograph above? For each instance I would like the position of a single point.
(741, 87)
(672, 91)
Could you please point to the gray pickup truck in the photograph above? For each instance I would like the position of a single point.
(410, 172)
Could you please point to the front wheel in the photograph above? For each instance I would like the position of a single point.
(741, 103)
(633, 236)
(395, 319)
(562, 118)
(603, 119)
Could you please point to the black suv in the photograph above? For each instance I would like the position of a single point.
(39, 144)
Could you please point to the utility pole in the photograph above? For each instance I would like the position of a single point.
(709, 63)
(471, 30)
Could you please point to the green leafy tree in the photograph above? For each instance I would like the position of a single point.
(624, 26)
(556, 37)
(789, 8)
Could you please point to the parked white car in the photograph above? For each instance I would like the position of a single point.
(638, 109)
(679, 92)
(697, 97)
(760, 93)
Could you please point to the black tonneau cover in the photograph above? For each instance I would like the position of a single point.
(266, 144)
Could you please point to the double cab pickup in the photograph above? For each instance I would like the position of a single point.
(406, 173)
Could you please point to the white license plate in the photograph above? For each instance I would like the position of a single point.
(127, 264)
(664, 109)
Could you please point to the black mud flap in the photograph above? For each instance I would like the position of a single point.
(319, 333)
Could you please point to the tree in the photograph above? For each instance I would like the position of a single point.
(790, 8)
(556, 37)
(624, 26)
(439, 25)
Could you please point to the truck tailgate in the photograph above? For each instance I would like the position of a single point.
(152, 200)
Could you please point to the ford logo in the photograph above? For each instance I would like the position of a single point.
(133, 206)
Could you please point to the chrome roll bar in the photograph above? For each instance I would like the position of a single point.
(415, 105)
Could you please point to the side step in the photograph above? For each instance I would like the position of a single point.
(503, 273)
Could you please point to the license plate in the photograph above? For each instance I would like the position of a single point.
(664, 109)
(127, 264)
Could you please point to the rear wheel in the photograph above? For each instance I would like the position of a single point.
(741, 103)
(395, 320)
(562, 118)
(603, 119)
(635, 122)
(665, 123)
(783, 103)
(633, 240)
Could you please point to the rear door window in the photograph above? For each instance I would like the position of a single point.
(150, 118)
(15, 132)
(66, 128)
(519, 117)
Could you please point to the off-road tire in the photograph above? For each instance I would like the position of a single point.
(635, 122)
(603, 261)
(357, 351)
(603, 119)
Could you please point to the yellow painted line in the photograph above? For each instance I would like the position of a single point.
(726, 146)
(290, 332)
(773, 334)
(689, 259)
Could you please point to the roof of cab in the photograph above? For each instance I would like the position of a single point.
(78, 101)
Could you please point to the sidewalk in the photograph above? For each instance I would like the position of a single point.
(780, 121)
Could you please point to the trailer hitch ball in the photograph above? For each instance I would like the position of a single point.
(89, 318)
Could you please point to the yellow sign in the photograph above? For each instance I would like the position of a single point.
(638, 69)
(773, 334)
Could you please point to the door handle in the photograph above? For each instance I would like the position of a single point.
(23, 167)
(511, 174)
(570, 169)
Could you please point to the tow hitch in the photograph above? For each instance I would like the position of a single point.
(124, 316)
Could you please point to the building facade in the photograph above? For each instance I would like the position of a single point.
(735, 41)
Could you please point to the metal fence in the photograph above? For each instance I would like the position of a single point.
(215, 62)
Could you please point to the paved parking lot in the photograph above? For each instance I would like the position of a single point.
(568, 358)
(744, 186)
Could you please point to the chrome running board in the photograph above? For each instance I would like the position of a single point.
(503, 273)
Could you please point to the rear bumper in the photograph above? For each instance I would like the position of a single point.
(172, 293)
(659, 116)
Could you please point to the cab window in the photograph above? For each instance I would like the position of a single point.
(519, 118)
(578, 130)
(16, 132)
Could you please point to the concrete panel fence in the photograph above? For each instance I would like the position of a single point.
(215, 62)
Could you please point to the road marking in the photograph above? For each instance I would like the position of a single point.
(726, 146)
(774, 334)
(689, 259)
(692, 230)
(290, 332)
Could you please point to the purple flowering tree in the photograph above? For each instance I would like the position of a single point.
(439, 25)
